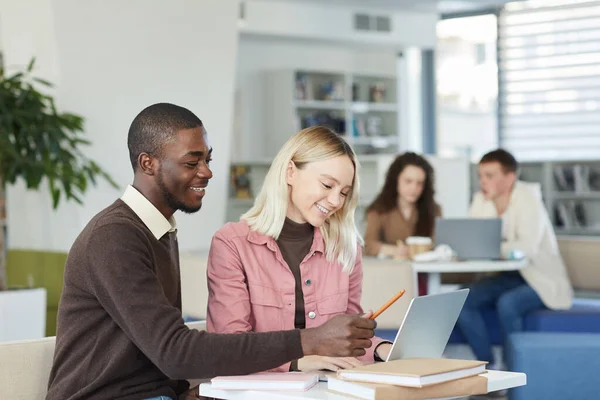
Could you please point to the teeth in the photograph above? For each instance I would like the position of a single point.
(322, 209)
(197, 189)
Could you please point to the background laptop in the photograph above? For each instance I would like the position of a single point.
(427, 325)
(470, 238)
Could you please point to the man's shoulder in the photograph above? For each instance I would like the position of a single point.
(113, 228)
(478, 197)
(478, 200)
(117, 218)
(528, 191)
(481, 207)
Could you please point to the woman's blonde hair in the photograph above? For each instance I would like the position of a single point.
(268, 213)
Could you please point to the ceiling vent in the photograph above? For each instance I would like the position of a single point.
(372, 23)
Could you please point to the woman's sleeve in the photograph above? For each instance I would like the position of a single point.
(228, 296)
(373, 234)
(229, 306)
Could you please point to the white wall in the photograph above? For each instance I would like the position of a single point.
(112, 58)
(452, 185)
(466, 134)
(260, 54)
(323, 20)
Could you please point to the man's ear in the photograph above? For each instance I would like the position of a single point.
(147, 164)
(290, 173)
(512, 179)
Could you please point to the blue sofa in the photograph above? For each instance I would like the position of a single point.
(560, 353)
(583, 316)
(559, 365)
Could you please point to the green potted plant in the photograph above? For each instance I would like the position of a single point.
(38, 143)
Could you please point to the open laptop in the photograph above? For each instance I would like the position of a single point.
(427, 325)
(470, 238)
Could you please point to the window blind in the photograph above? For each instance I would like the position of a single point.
(549, 89)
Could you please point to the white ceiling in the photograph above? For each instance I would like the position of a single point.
(454, 6)
(443, 6)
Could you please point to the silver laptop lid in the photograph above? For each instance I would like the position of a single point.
(470, 238)
(427, 325)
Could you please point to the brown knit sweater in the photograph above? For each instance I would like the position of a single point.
(120, 330)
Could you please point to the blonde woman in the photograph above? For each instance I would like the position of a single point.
(294, 259)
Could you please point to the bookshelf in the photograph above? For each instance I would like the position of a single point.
(363, 108)
(570, 191)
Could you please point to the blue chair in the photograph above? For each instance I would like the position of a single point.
(386, 334)
(583, 316)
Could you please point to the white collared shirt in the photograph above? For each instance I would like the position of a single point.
(150, 216)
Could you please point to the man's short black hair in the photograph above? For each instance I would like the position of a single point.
(155, 126)
(507, 161)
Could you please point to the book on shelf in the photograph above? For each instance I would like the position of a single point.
(594, 178)
(240, 182)
(378, 391)
(582, 178)
(575, 178)
(414, 372)
(303, 89)
(570, 214)
(293, 381)
(371, 125)
(326, 118)
(564, 178)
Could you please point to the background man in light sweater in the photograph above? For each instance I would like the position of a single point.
(525, 227)
(120, 331)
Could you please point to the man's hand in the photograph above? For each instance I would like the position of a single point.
(341, 336)
(191, 394)
(317, 363)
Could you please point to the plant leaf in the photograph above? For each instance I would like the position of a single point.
(43, 82)
(38, 142)
(31, 64)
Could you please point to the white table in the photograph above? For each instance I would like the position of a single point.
(436, 268)
(497, 380)
(22, 314)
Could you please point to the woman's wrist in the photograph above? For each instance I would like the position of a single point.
(294, 365)
(377, 356)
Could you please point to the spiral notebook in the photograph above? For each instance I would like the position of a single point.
(293, 381)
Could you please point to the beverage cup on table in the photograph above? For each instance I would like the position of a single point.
(417, 245)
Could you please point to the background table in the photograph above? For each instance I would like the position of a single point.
(436, 268)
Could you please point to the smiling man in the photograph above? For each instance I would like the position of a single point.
(120, 332)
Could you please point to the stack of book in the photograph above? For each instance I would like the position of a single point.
(412, 379)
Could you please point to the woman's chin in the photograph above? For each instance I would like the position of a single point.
(317, 220)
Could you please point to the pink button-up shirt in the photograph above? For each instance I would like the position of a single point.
(251, 287)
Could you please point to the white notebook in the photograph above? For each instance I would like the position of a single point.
(294, 381)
